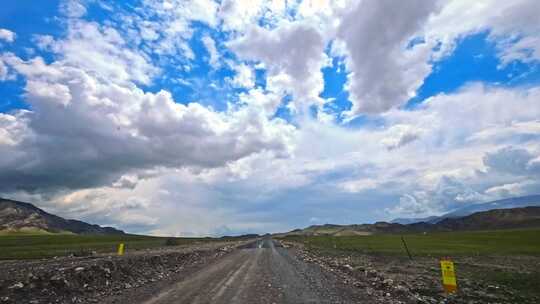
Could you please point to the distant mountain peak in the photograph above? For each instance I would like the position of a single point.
(18, 216)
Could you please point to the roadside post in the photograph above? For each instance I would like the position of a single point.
(121, 249)
(406, 248)
(448, 276)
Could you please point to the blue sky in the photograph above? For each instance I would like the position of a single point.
(474, 54)
(261, 116)
(476, 57)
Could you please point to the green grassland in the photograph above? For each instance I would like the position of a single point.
(42, 245)
(503, 242)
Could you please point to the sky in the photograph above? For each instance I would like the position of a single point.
(194, 118)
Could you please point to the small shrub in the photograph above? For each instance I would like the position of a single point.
(171, 242)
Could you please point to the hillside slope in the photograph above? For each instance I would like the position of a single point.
(24, 217)
(527, 217)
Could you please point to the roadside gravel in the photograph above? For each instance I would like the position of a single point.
(101, 279)
(396, 279)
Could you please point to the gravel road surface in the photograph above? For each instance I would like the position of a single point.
(260, 272)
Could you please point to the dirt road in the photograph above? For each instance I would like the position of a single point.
(260, 272)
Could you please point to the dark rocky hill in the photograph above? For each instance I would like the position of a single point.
(527, 217)
(24, 217)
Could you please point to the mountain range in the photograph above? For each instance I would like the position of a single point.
(515, 202)
(519, 212)
(503, 215)
(20, 217)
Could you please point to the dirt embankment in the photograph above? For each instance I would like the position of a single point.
(394, 279)
(99, 279)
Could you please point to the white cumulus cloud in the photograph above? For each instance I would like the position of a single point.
(7, 35)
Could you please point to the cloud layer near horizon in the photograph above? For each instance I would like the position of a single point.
(103, 137)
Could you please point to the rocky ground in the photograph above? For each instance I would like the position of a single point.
(101, 278)
(481, 279)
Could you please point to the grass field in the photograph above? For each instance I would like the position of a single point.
(28, 246)
(504, 242)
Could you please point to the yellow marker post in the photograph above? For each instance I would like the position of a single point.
(448, 276)
(121, 249)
